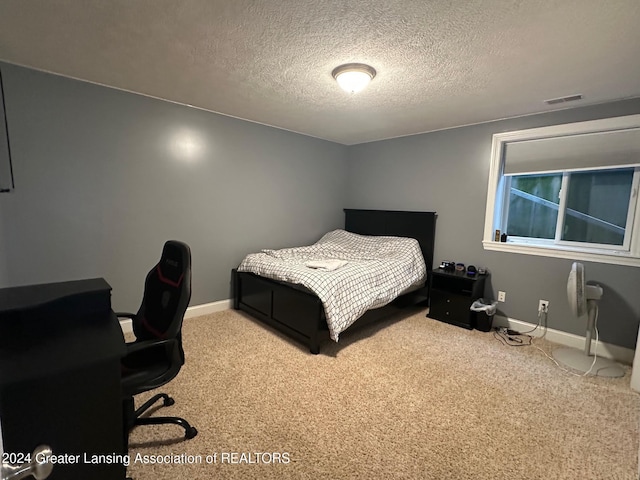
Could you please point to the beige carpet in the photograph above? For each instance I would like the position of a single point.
(406, 398)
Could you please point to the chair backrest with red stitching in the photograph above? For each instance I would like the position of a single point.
(167, 292)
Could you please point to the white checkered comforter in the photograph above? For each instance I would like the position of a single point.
(378, 270)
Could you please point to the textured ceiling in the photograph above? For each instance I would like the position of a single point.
(440, 63)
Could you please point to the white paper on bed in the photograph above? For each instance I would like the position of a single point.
(378, 270)
(332, 264)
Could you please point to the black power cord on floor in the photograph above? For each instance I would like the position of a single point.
(511, 338)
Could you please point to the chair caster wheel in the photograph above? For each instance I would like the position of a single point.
(190, 433)
(169, 401)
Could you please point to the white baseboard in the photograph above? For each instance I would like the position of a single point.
(607, 350)
(635, 378)
(194, 311)
(207, 308)
(620, 354)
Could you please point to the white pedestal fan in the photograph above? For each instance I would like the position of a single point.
(583, 299)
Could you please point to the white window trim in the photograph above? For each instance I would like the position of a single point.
(495, 207)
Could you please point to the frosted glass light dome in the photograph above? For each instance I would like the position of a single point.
(353, 77)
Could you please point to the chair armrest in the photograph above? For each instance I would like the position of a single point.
(134, 347)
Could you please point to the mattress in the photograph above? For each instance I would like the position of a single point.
(349, 273)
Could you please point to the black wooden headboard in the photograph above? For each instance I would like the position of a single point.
(418, 225)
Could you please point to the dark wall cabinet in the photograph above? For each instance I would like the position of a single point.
(452, 294)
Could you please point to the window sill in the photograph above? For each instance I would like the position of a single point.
(570, 253)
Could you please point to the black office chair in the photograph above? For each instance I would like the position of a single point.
(156, 356)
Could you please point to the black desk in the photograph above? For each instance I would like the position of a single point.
(60, 351)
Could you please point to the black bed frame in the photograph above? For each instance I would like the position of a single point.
(297, 312)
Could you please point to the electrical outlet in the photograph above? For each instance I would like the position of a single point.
(502, 296)
(543, 306)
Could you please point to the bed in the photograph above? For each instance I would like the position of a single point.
(299, 313)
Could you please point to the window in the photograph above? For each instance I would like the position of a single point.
(568, 191)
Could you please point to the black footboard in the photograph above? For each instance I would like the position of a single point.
(298, 312)
(294, 311)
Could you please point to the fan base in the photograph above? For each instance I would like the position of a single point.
(577, 360)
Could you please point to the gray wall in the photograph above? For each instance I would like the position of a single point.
(5, 181)
(447, 171)
(104, 177)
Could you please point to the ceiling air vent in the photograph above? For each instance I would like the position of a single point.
(570, 98)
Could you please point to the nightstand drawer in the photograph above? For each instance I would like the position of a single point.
(450, 307)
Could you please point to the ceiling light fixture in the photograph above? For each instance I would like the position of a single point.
(353, 77)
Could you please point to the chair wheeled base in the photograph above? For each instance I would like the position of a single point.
(136, 418)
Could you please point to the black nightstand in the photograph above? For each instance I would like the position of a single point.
(452, 294)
